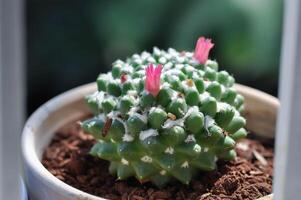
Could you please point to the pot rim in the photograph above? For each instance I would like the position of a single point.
(29, 154)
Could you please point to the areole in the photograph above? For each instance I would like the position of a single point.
(260, 111)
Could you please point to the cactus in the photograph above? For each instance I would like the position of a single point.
(167, 122)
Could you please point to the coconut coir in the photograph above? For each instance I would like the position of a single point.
(248, 177)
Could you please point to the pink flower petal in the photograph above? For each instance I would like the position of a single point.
(123, 78)
(202, 49)
(152, 80)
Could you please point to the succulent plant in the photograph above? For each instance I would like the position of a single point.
(165, 115)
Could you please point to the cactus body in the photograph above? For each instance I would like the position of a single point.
(192, 122)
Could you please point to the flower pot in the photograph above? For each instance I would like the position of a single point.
(260, 111)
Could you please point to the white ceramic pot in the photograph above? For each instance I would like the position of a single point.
(260, 111)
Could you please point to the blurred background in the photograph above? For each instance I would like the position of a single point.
(70, 43)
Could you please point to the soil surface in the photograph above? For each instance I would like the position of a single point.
(248, 177)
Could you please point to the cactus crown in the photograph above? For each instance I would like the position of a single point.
(186, 125)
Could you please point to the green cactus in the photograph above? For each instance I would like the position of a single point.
(193, 121)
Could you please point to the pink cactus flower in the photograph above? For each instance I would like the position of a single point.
(202, 49)
(152, 80)
(123, 78)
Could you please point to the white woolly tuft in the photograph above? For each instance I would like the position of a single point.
(169, 150)
(152, 109)
(142, 117)
(185, 164)
(127, 138)
(168, 66)
(221, 106)
(162, 60)
(162, 172)
(148, 133)
(171, 123)
(191, 110)
(206, 83)
(190, 138)
(133, 110)
(174, 95)
(146, 159)
(208, 121)
(132, 93)
(165, 84)
(98, 96)
(157, 51)
(124, 161)
(204, 95)
(113, 114)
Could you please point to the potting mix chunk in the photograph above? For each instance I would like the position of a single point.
(165, 115)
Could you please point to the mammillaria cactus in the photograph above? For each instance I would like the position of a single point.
(165, 115)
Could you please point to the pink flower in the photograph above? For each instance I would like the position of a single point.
(202, 49)
(152, 80)
(123, 78)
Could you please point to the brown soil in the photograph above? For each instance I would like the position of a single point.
(248, 177)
